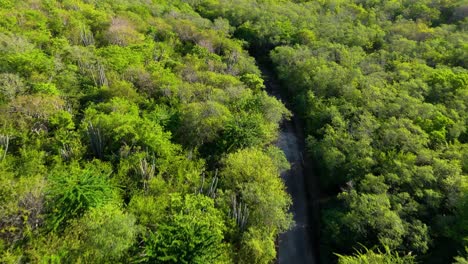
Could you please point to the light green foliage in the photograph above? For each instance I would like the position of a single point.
(253, 81)
(102, 235)
(62, 120)
(119, 125)
(258, 247)
(372, 257)
(250, 177)
(202, 122)
(191, 232)
(254, 177)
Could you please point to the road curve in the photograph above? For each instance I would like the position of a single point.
(296, 246)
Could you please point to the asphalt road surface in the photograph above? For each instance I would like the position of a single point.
(296, 245)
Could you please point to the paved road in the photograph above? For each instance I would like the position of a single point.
(296, 245)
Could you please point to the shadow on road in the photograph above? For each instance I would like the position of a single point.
(297, 245)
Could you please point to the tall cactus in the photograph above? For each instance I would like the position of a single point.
(146, 170)
(4, 142)
(211, 191)
(66, 152)
(95, 138)
(239, 212)
(102, 78)
(86, 36)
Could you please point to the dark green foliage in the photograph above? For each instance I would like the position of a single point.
(461, 259)
(381, 88)
(96, 140)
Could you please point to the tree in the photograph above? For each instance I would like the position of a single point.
(102, 235)
(11, 86)
(121, 32)
(202, 122)
(116, 125)
(192, 232)
(371, 218)
(255, 196)
(258, 247)
(253, 177)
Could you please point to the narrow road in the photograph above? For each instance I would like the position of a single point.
(296, 246)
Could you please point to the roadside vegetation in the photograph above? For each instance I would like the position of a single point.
(382, 90)
(140, 131)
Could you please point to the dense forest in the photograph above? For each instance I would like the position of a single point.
(141, 132)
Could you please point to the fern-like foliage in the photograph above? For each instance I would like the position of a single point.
(73, 190)
(369, 256)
